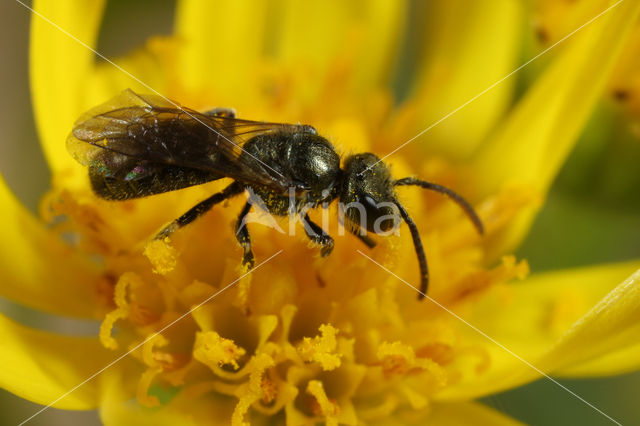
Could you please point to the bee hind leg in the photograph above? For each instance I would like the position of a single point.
(242, 235)
(318, 236)
(199, 209)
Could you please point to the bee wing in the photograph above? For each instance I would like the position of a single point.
(136, 130)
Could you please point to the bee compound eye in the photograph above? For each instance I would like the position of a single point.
(369, 204)
(379, 217)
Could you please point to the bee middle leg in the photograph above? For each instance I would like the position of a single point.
(199, 209)
(242, 235)
(318, 236)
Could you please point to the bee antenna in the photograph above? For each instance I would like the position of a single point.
(417, 244)
(464, 204)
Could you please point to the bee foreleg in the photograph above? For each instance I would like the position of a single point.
(221, 112)
(417, 244)
(242, 235)
(368, 241)
(199, 209)
(318, 236)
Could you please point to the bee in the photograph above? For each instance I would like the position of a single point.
(139, 145)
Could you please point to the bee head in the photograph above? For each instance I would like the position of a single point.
(367, 195)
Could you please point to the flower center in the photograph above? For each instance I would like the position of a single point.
(316, 339)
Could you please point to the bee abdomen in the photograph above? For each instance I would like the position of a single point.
(155, 180)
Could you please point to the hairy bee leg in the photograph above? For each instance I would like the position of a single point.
(318, 236)
(221, 112)
(417, 244)
(242, 235)
(367, 240)
(199, 209)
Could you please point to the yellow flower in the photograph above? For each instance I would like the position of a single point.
(304, 339)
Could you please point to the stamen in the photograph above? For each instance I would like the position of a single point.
(153, 341)
(142, 392)
(321, 348)
(161, 255)
(140, 315)
(396, 357)
(269, 391)
(399, 359)
(322, 406)
(215, 351)
(253, 391)
(122, 309)
(415, 398)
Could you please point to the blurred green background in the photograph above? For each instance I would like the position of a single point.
(592, 214)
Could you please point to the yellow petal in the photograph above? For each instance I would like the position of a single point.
(535, 139)
(225, 43)
(468, 46)
(318, 33)
(610, 327)
(625, 360)
(383, 25)
(41, 367)
(39, 270)
(220, 44)
(67, 78)
(453, 414)
(59, 66)
(118, 408)
(468, 413)
(553, 321)
(130, 412)
(532, 144)
(144, 70)
(314, 32)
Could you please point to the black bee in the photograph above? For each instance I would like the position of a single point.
(139, 145)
